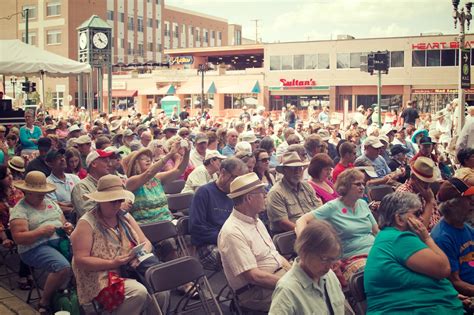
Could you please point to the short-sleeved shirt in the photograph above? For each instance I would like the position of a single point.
(244, 244)
(379, 164)
(458, 245)
(151, 203)
(338, 169)
(51, 215)
(392, 288)
(354, 226)
(198, 177)
(63, 187)
(297, 293)
(79, 201)
(285, 202)
(410, 115)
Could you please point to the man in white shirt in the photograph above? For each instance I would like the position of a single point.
(204, 173)
(198, 154)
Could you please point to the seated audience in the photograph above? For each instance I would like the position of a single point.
(372, 147)
(347, 152)
(73, 162)
(261, 168)
(247, 158)
(406, 271)
(39, 163)
(17, 167)
(310, 286)
(204, 173)
(33, 224)
(291, 197)
(252, 265)
(399, 162)
(466, 171)
(320, 170)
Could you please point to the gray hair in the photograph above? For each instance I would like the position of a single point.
(318, 237)
(231, 164)
(396, 203)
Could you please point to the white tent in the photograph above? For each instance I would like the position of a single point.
(18, 58)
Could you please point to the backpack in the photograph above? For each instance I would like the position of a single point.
(66, 300)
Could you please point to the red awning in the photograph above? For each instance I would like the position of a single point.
(122, 93)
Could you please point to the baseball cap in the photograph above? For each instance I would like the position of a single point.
(454, 188)
(114, 150)
(373, 142)
(44, 143)
(127, 133)
(74, 128)
(398, 148)
(426, 140)
(94, 155)
(53, 154)
(249, 137)
(83, 140)
(214, 154)
(369, 170)
(201, 137)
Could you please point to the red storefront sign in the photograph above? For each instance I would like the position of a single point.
(295, 82)
(441, 45)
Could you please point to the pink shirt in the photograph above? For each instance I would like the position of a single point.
(322, 193)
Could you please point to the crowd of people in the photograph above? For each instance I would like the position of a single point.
(94, 183)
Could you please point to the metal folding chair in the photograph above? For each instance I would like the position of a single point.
(376, 193)
(172, 274)
(159, 231)
(356, 289)
(183, 231)
(174, 187)
(285, 243)
(39, 279)
(179, 203)
(6, 263)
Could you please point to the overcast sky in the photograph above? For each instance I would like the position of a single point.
(298, 20)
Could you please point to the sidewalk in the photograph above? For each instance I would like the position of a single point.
(12, 305)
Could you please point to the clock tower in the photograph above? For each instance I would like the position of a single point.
(95, 48)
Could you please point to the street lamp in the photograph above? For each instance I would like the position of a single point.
(202, 70)
(461, 17)
(13, 82)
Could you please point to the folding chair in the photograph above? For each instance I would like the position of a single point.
(175, 273)
(179, 203)
(39, 280)
(6, 255)
(376, 193)
(174, 187)
(356, 289)
(159, 231)
(285, 243)
(183, 231)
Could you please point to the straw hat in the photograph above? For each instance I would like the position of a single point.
(110, 188)
(244, 184)
(130, 161)
(17, 163)
(324, 134)
(423, 168)
(114, 125)
(290, 159)
(35, 182)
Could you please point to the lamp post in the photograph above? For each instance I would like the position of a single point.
(13, 82)
(461, 16)
(202, 70)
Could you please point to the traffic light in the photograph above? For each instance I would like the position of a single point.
(382, 61)
(367, 63)
(25, 86)
(33, 87)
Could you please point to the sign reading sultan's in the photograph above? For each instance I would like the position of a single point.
(441, 45)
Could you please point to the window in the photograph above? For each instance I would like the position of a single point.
(158, 47)
(58, 99)
(31, 12)
(343, 61)
(198, 36)
(176, 31)
(167, 29)
(418, 58)
(323, 61)
(141, 52)
(31, 37)
(433, 58)
(53, 8)
(298, 62)
(53, 37)
(121, 17)
(122, 43)
(206, 36)
(157, 2)
(130, 23)
(397, 59)
(157, 23)
(238, 37)
(275, 63)
(140, 24)
(213, 34)
(110, 15)
(220, 35)
(287, 62)
(130, 49)
(149, 22)
(150, 46)
(448, 57)
(310, 61)
(355, 60)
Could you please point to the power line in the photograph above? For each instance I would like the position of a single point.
(8, 17)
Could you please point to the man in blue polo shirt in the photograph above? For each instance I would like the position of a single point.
(372, 147)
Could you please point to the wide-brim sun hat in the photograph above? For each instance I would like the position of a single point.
(424, 132)
(17, 163)
(35, 182)
(244, 184)
(130, 160)
(290, 159)
(423, 168)
(110, 188)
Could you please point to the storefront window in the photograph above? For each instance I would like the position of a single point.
(275, 63)
(448, 57)
(431, 103)
(237, 101)
(388, 101)
(298, 62)
(433, 58)
(287, 62)
(340, 102)
(301, 101)
(418, 58)
(396, 59)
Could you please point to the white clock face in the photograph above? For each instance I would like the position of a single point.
(83, 41)
(100, 40)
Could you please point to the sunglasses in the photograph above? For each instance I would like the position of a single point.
(264, 160)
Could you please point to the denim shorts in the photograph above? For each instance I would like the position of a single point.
(45, 257)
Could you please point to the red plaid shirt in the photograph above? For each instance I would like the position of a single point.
(435, 216)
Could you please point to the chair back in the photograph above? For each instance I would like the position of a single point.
(376, 193)
(285, 243)
(174, 187)
(159, 231)
(180, 202)
(182, 226)
(356, 288)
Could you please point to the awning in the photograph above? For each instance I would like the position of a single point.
(165, 90)
(241, 88)
(122, 93)
(195, 87)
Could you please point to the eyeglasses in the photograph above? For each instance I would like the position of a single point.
(329, 260)
(359, 184)
(264, 160)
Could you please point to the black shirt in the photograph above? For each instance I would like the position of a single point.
(410, 115)
(183, 115)
(38, 164)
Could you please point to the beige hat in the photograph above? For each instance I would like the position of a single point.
(369, 170)
(110, 188)
(214, 154)
(35, 182)
(244, 184)
(373, 142)
(17, 163)
(114, 125)
(83, 140)
(2, 128)
(324, 134)
(290, 159)
(248, 136)
(423, 168)
(74, 128)
(384, 138)
(129, 162)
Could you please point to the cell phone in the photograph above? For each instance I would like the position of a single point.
(137, 250)
(184, 144)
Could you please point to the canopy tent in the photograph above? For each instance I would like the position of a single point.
(246, 87)
(18, 58)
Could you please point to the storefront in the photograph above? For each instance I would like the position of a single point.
(301, 93)
(433, 100)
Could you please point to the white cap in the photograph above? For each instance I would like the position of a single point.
(373, 142)
(74, 128)
(214, 154)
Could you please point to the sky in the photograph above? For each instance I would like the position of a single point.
(301, 20)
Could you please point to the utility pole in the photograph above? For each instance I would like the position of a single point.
(27, 18)
(256, 30)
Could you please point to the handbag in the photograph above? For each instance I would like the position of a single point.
(112, 296)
